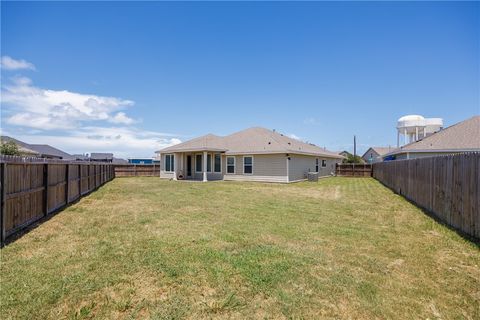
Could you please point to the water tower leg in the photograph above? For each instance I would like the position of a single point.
(416, 133)
(405, 137)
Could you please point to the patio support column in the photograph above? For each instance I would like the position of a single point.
(205, 165)
(175, 165)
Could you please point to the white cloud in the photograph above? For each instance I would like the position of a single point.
(123, 142)
(9, 63)
(310, 121)
(59, 109)
(122, 118)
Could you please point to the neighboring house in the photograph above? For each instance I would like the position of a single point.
(254, 154)
(119, 161)
(345, 153)
(374, 154)
(101, 157)
(143, 161)
(80, 157)
(459, 138)
(38, 150)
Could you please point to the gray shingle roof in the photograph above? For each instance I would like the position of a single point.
(47, 150)
(254, 140)
(380, 150)
(463, 136)
(101, 156)
(38, 149)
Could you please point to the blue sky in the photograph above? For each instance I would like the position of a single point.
(131, 78)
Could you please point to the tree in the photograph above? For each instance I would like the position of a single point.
(353, 159)
(9, 148)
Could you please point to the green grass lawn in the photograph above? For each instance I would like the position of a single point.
(146, 248)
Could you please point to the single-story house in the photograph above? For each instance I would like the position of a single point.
(458, 138)
(374, 154)
(38, 150)
(254, 154)
(143, 161)
(101, 157)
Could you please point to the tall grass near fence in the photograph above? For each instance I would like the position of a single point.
(447, 186)
(32, 189)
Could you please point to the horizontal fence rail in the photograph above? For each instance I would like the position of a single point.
(137, 170)
(33, 189)
(353, 170)
(446, 186)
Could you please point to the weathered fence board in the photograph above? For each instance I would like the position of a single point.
(447, 186)
(33, 189)
(353, 170)
(136, 170)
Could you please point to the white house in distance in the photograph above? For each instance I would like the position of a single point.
(458, 138)
(254, 154)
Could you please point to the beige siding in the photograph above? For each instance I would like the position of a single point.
(263, 165)
(163, 173)
(266, 167)
(300, 165)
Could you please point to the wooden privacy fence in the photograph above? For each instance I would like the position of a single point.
(33, 189)
(447, 186)
(136, 170)
(353, 170)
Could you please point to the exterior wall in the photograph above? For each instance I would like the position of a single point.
(299, 165)
(415, 155)
(210, 175)
(371, 156)
(266, 168)
(163, 173)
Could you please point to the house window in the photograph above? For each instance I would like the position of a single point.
(324, 163)
(316, 165)
(217, 163)
(230, 164)
(198, 163)
(248, 165)
(209, 163)
(169, 163)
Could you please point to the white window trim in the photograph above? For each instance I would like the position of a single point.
(213, 163)
(171, 155)
(324, 166)
(247, 156)
(234, 164)
(201, 170)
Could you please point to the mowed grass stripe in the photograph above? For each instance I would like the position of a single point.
(147, 248)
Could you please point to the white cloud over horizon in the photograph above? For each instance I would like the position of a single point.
(123, 142)
(71, 121)
(47, 109)
(8, 63)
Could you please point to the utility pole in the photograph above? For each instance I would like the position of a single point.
(354, 147)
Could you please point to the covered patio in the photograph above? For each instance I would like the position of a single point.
(196, 165)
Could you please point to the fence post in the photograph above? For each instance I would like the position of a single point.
(67, 179)
(79, 180)
(3, 212)
(45, 191)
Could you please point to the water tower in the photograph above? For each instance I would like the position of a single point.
(415, 127)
